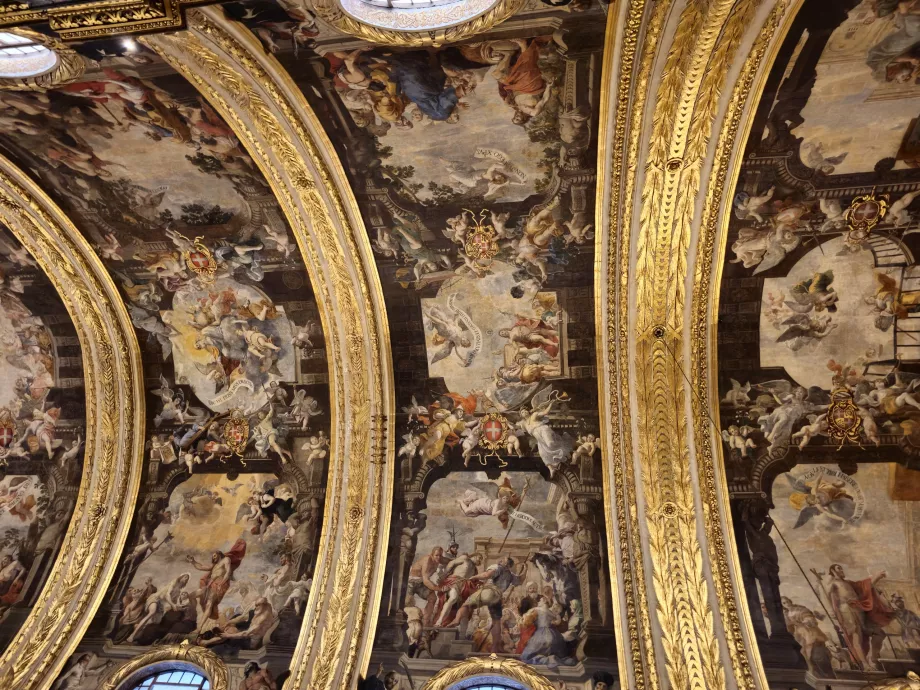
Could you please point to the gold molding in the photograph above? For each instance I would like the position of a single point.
(612, 290)
(692, 72)
(273, 121)
(716, 213)
(70, 65)
(115, 421)
(332, 13)
(100, 17)
(491, 665)
(213, 667)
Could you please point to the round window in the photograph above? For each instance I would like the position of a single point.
(21, 57)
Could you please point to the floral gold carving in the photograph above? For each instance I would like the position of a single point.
(722, 559)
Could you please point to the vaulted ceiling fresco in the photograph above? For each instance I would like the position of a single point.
(819, 352)
(223, 542)
(42, 428)
(474, 169)
(514, 424)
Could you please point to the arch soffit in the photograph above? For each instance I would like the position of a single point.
(684, 73)
(273, 121)
(115, 422)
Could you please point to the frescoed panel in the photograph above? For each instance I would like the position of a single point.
(223, 545)
(474, 168)
(819, 351)
(42, 430)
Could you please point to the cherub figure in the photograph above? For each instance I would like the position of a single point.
(817, 426)
(316, 447)
(738, 395)
(737, 439)
(585, 448)
(747, 206)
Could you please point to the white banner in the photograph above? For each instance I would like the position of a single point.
(230, 392)
(529, 519)
(470, 353)
(500, 156)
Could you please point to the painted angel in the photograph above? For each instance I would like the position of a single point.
(738, 395)
(817, 426)
(475, 502)
(802, 330)
(737, 439)
(303, 408)
(834, 215)
(410, 445)
(821, 496)
(748, 206)
(553, 448)
(265, 435)
(315, 447)
(898, 213)
(450, 334)
(814, 293)
(414, 410)
(765, 248)
(793, 405)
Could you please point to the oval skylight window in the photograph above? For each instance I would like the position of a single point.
(21, 57)
(416, 15)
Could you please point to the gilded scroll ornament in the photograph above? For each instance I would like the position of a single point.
(160, 658)
(114, 442)
(235, 433)
(200, 260)
(843, 421)
(280, 132)
(864, 213)
(491, 665)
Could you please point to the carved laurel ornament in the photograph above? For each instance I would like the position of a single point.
(70, 65)
(167, 657)
(658, 143)
(492, 666)
(332, 13)
(115, 416)
(270, 116)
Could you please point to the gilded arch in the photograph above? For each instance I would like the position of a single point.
(161, 657)
(114, 443)
(278, 128)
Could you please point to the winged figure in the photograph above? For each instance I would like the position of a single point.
(747, 206)
(764, 248)
(738, 395)
(450, 334)
(475, 502)
(803, 329)
(898, 212)
(815, 294)
(834, 215)
(813, 156)
(822, 496)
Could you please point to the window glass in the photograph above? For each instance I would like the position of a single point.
(22, 57)
(175, 680)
